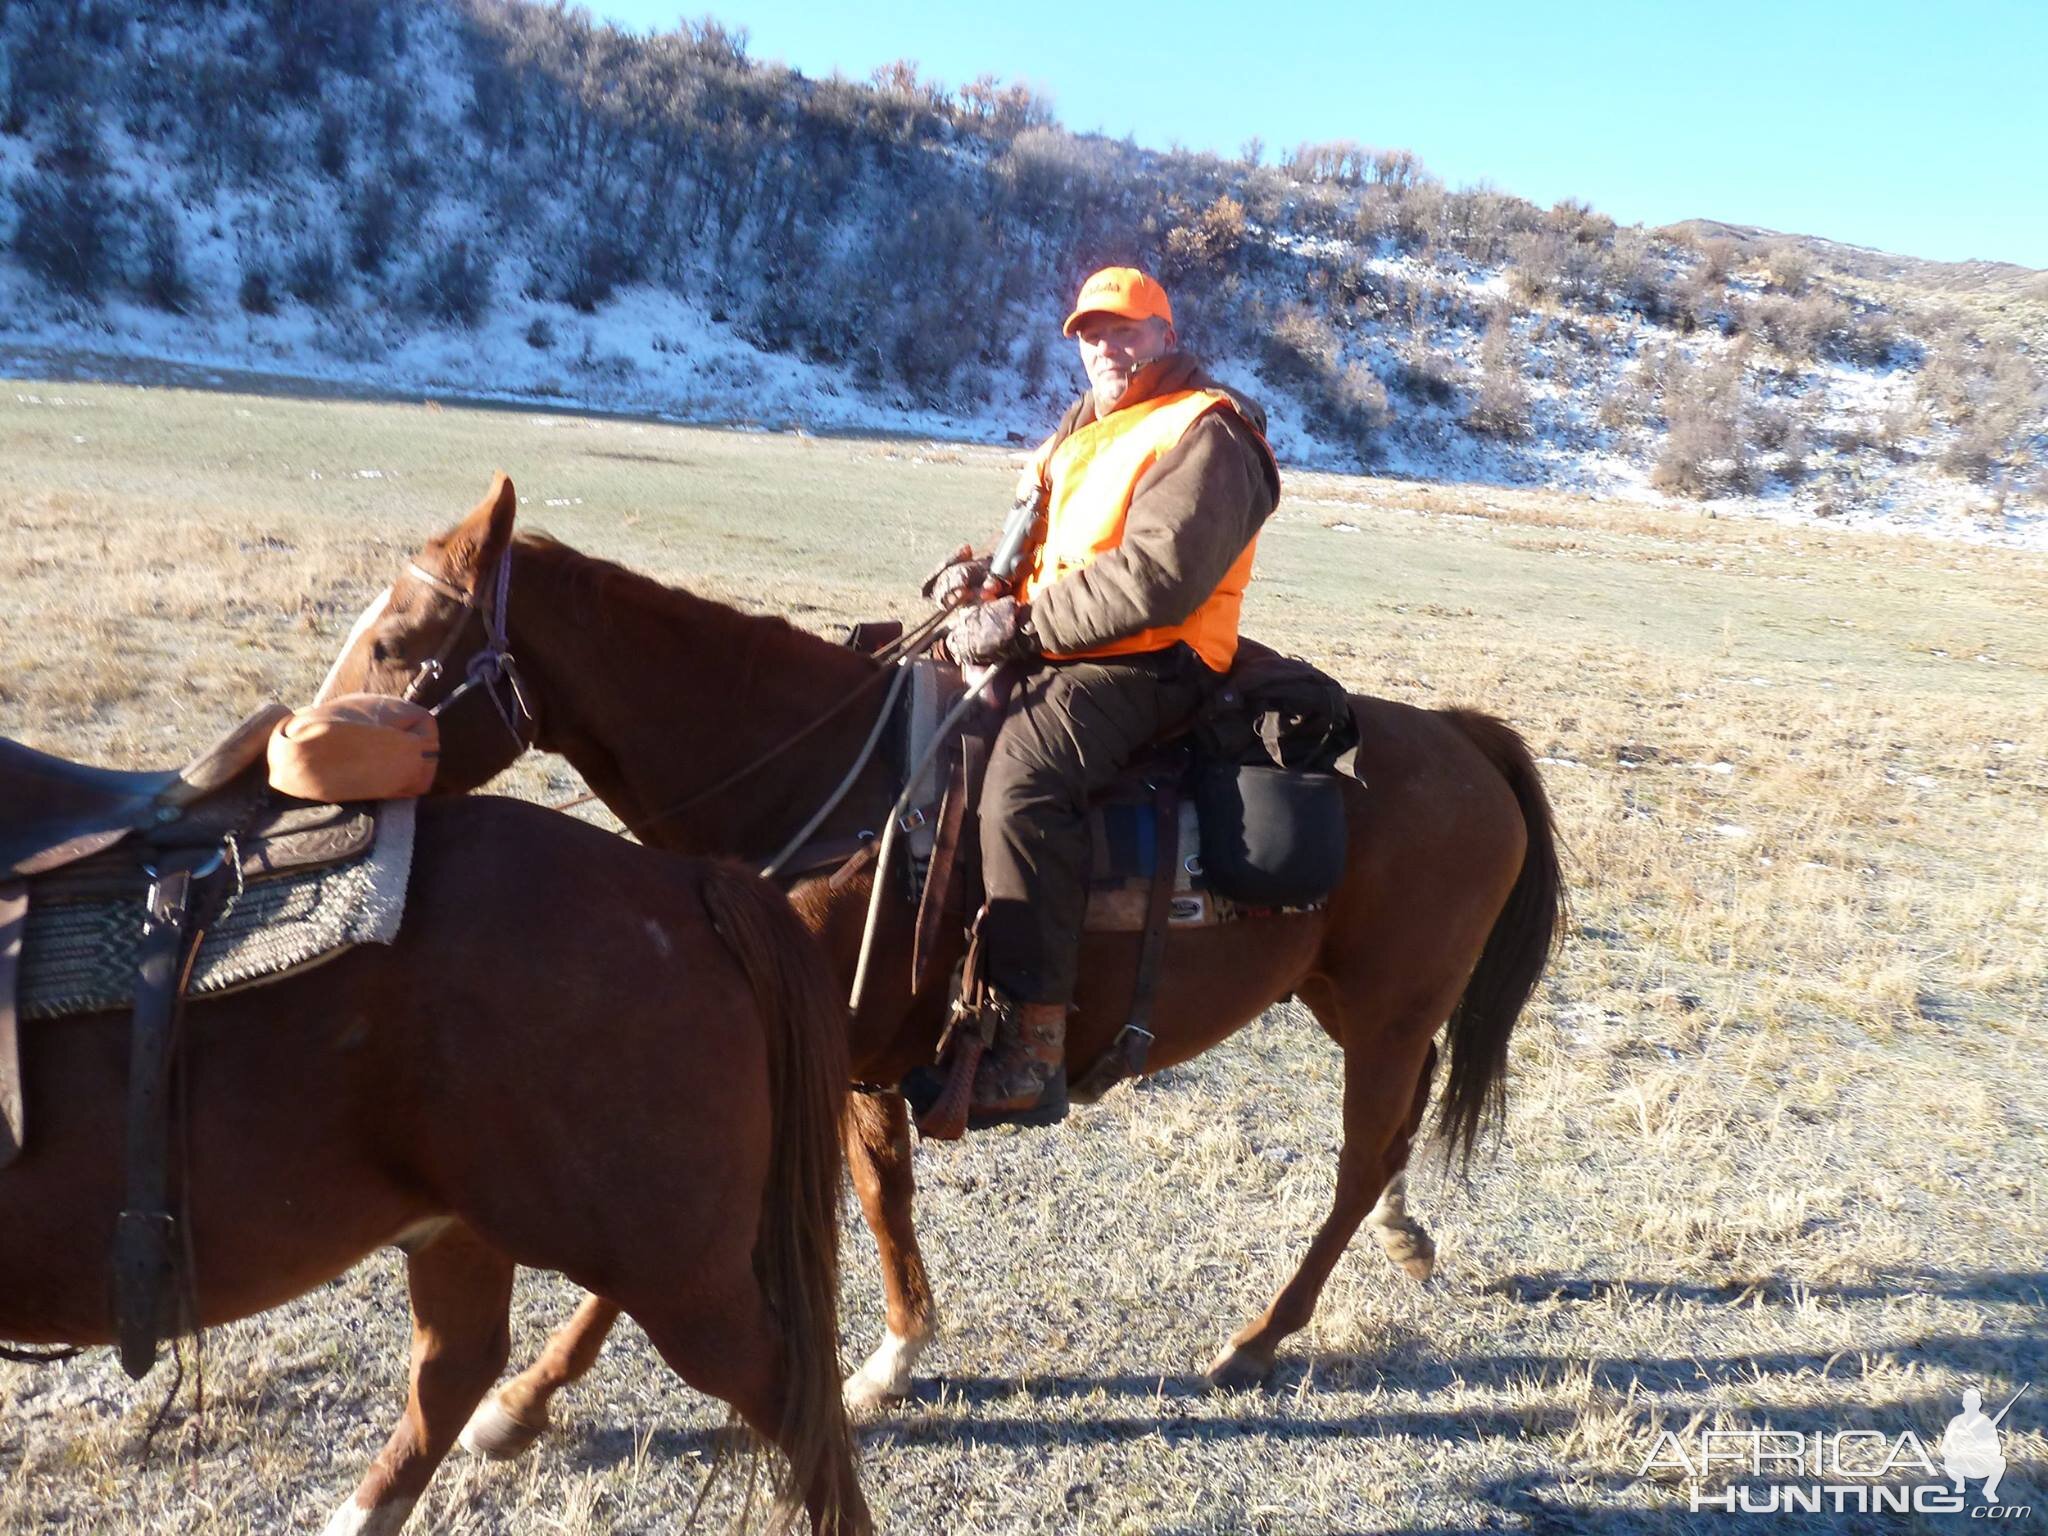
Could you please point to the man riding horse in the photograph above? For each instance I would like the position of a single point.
(1154, 488)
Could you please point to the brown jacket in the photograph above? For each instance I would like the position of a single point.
(1191, 517)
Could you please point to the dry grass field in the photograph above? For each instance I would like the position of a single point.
(1777, 1116)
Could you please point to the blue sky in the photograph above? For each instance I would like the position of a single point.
(1920, 127)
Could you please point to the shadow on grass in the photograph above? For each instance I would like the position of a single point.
(986, 1411)
(2028, 1285)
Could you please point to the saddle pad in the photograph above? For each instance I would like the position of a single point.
(1120, 882)
(80, 955)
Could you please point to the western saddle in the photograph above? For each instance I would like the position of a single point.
(73, 831)
(54, 811)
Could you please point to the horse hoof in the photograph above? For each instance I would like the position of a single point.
(493, 1433)
(1411, 1249)
(1238, 1370)
(866, 1397)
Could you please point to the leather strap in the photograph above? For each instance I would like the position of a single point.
(967, 1036)
(1127, 1053)
(13, 928)
(145, 1239)
(940, 906)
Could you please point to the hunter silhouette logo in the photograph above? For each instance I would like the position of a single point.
(1862, 1471)
(1969, 1446)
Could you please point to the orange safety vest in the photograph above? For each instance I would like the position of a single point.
(1091, 475)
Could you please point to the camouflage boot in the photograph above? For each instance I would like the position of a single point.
(1023, 1078)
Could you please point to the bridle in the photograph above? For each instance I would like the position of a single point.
(491, 672)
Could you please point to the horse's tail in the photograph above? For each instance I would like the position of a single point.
(1516, 950)
(796, 1254)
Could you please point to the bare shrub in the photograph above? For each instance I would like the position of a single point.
(600, 258)
(1357, 286)
(1699, 299)
(1802, 328)
(1579, 221)
(1374, 218)
(1776, 429)
(1206, 245)
(1051, 173)
(1264, 194)
(453, 283)
(330, 144)
(1003, 110)
(1788, 267)
(1427, 375)
(1718, 259)
(1772, 427)
(1899, 426)
(1419, 216)
(1342, 161)
(1500, 406)
(312, 272)
(1793, 464)
(1482, 220)
(1625, 403)
(1870, 339)
(1548, 264)
(163, 281)
(1034, 365)
(257, 293)
(1994, 401)
(1345, 401)
(1856, 435)
(66, 231)
(540, 334)
(1706, 450)
(1635, 274)
(372, 227)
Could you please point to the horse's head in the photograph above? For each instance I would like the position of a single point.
(437, 636)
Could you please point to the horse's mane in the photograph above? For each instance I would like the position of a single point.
(601, 587)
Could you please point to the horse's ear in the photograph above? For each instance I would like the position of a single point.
(473, 547)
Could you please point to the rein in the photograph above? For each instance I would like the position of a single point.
(891, 657)
(495, 664)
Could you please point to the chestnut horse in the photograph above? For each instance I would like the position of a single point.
(667, 704)
(578, 1055)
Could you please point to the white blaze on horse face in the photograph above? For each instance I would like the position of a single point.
(369, 616)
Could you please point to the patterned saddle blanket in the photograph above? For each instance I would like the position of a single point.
(312, 881)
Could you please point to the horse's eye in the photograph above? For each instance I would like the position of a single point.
(380, 653)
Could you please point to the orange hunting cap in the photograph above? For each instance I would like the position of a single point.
(1120, 291)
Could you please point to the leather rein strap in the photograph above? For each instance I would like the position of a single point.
(890, 659)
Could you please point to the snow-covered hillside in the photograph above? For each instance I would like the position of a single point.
(483, 197)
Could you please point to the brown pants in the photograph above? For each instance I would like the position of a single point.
(1071, 729)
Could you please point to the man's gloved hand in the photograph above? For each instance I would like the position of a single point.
(985, 633)
(962, 571)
